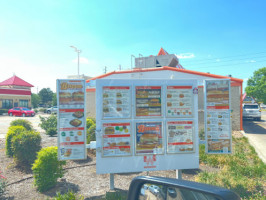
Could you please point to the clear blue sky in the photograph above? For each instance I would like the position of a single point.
(216, 36)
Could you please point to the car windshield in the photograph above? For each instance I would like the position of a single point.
(25, 109)
(251, 106)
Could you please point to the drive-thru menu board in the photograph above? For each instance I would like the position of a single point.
(217, 116)
(179, 101)
(117, 139)
(116, 102)
(180, 137)
(71, 119)
(145, 125)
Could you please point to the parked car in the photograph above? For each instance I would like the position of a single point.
(21, 111)
(252, 110)
(154, 189)
(51, 110)
(263, 106)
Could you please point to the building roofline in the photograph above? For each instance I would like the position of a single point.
(166, 68)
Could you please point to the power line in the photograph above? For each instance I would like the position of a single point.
(230, 65)
(222, 61)
(229, 56)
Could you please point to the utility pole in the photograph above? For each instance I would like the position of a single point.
(105, 70)
(78, 51)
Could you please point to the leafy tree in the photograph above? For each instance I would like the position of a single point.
(46, 95)
(54, 100)
(257, 85)
(35, 100)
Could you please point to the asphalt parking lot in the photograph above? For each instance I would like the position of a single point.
(5, 122)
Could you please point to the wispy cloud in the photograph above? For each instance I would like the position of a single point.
(251, 61)
(82, 60)
(218, 60)
(185, 55)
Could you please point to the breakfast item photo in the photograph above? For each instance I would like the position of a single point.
(65, 97)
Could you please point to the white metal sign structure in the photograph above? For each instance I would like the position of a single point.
(71, 119)
(144, 125)
(218, 133)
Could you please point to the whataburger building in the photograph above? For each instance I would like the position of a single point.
(152, 67)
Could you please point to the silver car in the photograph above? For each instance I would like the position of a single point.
(52, 110)
(252, 110)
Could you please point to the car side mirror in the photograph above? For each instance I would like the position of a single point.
(159, 188)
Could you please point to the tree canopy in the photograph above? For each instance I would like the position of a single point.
(256, 86)
(35, 100)
(46, 95)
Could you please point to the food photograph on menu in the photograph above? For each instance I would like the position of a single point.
(180, 137)
(179, 101)
(219, 146)
(148, 101)
(217, 94)
(71, 92)
(149, 138)
(116, 102)
(116, 139)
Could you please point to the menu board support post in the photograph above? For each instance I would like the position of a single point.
(112, 182)
(179, 174)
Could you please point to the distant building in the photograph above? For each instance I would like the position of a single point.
(15, 92)
(82, 76)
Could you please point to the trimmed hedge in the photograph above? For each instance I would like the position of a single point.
(22, 122)
(25, 147)
(12, 131)
(47, 169)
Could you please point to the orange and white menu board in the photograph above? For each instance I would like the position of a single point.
(116, 102)
(217, 94)
(180, 136)
(71, 120)
(179, 101)
(116, 139)
(148, 101)
(218, 131)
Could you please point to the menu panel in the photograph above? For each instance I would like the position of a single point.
(217, 93)
(179, 101)
(218, 131)
(149, 138)
(148, 101)
(116, 102)
(71, 119)
(180, 136)
(116, 139)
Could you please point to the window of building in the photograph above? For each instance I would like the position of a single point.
(7, 103)
(23, 103)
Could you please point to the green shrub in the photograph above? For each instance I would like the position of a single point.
(12, 131)
(22, 122)
(117, 195)
(68, 196)
(91, 134)
(52, 131)
(2, 184)
(48, 123)
(89, 122)
(43, 110)
(202, 134)
(47, 169)
(25, 147)
(2, 111)
(36, 111)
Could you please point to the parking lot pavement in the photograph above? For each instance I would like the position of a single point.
(5, 123)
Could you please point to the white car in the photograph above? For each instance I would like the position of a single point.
(251, 110)
(51, 110)
(154, 189)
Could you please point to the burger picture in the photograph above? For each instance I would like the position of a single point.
(169, 96)
(118, 101)
(118, 95)
(64, 97)
(181, 96)
(148, 141)
(109, 130)
(78, 96)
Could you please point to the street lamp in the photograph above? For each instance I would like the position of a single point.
(78, 51)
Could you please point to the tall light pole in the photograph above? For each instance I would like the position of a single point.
(78, 51)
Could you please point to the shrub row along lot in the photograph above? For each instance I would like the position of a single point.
(242, 172)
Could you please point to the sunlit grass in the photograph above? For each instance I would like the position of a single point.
(242, 172)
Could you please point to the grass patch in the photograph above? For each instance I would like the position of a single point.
(242, 172)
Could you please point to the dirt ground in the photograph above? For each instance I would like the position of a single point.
(80, 177)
